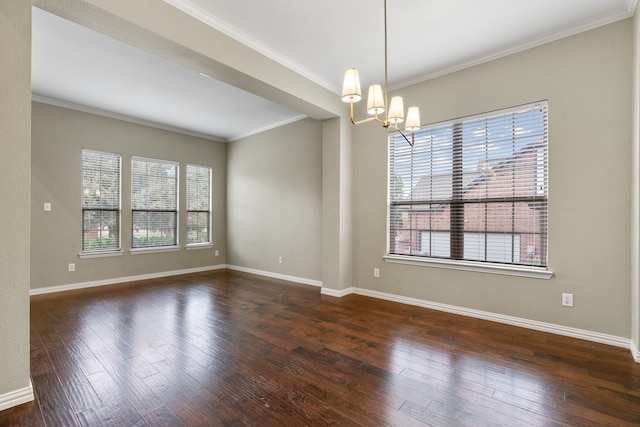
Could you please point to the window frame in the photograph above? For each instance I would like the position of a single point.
(175, 212)
(109, 251)
(457, 201)
(209, 242)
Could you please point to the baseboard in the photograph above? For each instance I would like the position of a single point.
(500, 318)
(301, 280)
(16, 397)
(116, 280)
(634, 352)
(337, 292)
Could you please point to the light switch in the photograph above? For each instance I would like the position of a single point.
(47, 207)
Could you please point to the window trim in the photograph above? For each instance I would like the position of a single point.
(195, 246)
(531, 271)
(103, 254)
(478, 267)
(154, 249)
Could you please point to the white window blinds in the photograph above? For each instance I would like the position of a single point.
(473, 189)
(100, 201)
(154, 202)
(198, 204)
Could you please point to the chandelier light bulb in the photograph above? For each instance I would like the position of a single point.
(396, 110)
(351, 87)
(413, 119)
(375, 100)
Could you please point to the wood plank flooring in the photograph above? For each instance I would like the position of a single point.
(225, 348)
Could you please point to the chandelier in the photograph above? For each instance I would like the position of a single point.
(377, 102)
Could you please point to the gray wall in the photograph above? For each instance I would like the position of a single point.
(635, 192)
(587, 81)
(59, 135)
(15, 150)
(274, 201)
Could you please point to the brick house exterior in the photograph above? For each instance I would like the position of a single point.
(511, 227)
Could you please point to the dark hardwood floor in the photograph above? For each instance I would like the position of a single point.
(232, 349)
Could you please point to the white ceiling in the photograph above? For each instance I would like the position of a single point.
(80, 68)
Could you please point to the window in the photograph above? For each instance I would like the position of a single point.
(100, 201)
(472, 189)
(154, 202)
(198, 204)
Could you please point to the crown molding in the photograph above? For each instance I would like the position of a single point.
(134, 120)
(627, 12)
(122, 117)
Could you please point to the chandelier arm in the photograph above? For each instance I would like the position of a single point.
(396, 128)
(368, 119)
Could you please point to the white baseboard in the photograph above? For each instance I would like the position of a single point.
(16, 397)
(301, 280)
(634, 352)
(116, 280)
(337, 292)
(500, 318)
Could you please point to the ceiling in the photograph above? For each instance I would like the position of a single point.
(79, 68)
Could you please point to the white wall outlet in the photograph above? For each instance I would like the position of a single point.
(217, 252)
(47, 207)
(280, 260)
(567, 300)
(376, 272)
(72, 267)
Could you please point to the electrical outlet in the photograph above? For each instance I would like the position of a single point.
(72, 267)
(280, 260)
(376, 272)
(567, 300)
(217, 252)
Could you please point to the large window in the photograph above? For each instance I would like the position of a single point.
(472, 189)
(198, 204)
(100, 201)
(154, 202)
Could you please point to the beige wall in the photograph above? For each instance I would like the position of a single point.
(15, 151)
(635, 191)
(274, 201)
(587, 82)
(59, 135)
(337, 205)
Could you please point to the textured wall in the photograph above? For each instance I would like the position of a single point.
(635, 190)
(15, 151)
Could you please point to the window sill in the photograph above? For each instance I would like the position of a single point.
(154, 250)
(105, 254)
(479, 267)
(195, 246)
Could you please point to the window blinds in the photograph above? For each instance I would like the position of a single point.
(154, 202)
(100, 201)
(198, 204)
(473, 189)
